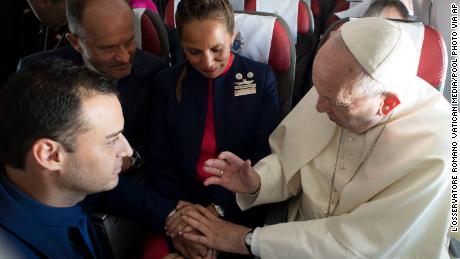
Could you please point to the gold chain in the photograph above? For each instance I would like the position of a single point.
(329, 212)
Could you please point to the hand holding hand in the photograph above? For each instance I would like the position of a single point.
(215, 233)
(174, 224)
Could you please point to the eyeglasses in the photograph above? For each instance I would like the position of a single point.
(136, 160)
(340, 105)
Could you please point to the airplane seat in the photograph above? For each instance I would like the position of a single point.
(428, 43)
(170, 11)
(340, 6)
(147, 4)
(175, 47)
(301, 24)
(266, 38)
(433, 59)
(150, 33)
(321, 11)
(326, 8)
(121, 238)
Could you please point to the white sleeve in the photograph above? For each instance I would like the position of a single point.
(273, 187)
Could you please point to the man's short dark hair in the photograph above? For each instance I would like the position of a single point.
(44, 101)
(377, 7)
(74, 15)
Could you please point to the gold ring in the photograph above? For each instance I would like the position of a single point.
(172, 213)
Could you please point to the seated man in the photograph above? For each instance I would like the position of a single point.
(60, 140)
(102, 38)
(369, 180)
(51, 13)
(394, 9)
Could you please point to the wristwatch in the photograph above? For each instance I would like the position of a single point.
(219, 210)
(248, 240)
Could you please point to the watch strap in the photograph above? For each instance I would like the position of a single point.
(248, 240)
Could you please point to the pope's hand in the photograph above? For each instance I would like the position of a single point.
(232, 173)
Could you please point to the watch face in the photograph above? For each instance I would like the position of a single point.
(248, 238)
(219, 210)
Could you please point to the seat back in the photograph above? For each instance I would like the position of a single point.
(150, 33)
(120, 238)
(428, 43)
(266, 38)
(322, 10)
(433, 59)
(301, 24)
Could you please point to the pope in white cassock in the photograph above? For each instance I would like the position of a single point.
(363, 158)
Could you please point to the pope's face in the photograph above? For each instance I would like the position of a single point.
(335, 77)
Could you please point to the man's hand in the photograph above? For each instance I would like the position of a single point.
(215, 233)
(232, 173)
(174, 224)
(192, 250)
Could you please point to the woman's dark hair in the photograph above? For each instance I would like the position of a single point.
(188, 10)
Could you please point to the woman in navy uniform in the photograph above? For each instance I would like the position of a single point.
(215, 101)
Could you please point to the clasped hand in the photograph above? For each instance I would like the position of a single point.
(175, 227)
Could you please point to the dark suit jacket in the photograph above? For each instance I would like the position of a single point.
(242, 124)
(136, 90)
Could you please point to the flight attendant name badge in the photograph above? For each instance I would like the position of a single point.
(244, 86)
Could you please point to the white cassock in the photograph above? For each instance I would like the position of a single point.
(395, 206)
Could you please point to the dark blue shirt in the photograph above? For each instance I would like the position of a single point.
(68, 225)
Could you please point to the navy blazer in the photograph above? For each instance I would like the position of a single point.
(242, 124)
(136, 91)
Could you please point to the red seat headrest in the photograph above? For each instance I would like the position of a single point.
(315, 8)
(432, 66)
(169, 14)
(150, 38)
(280, 51)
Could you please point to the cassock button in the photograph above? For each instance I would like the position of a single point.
(350, 138)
